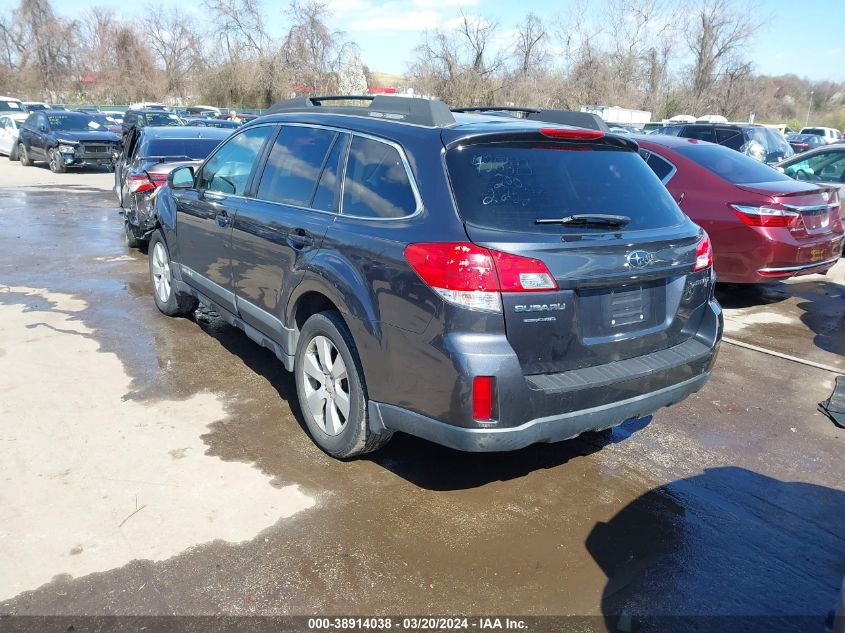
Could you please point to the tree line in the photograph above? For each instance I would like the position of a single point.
(666, 56)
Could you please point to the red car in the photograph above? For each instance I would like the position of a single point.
(763, 225)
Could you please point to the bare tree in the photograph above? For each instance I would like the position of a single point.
(174, 39)
(530, 49)
(314, 51)
(716, 33)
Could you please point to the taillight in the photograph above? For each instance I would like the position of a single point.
(522, 274)
(473, 276)
(703, 253)
(141, 182)
(769, 216)
(482, 397)
(571, 133)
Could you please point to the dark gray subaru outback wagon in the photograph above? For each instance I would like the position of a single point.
(478, 281)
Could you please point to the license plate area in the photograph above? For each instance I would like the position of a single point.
(622, 310)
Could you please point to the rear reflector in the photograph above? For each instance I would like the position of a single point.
(482, 397)
(571, 133)
(703, 253)
(473, 276)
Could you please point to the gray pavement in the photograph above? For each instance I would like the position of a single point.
(159, 466)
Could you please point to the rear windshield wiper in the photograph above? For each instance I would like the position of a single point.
(586, 219)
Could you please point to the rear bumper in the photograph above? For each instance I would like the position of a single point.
(757, 255)
(528, 409)
(553, 428)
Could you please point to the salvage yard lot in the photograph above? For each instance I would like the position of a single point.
(158, 466)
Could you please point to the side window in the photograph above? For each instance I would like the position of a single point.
(661, 167)
(828, 167)
(229, 169)
(42, 122)
(4, 123)
(670, 130)
(325, 198)
(293, 167)
(730, 137)
(702, 133)
(376, 183)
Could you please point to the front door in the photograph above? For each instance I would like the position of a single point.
(205, 214)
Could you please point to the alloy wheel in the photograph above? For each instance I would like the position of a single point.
(161, 272)
(326, 385)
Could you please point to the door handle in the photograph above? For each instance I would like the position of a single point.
(300, 239)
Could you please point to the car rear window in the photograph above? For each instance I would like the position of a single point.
(10, 106)
(733, 166)
(194, 148)
(813, 130)
(509, 186)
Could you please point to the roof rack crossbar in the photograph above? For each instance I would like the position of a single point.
(413, 110)
(495, 109)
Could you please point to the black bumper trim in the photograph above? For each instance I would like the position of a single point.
(631, 368)
(554, 428)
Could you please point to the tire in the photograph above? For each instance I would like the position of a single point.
(168, 301)
(322, 385)
(131, 240)
(26, 161)
(13, 153)
(56, 162)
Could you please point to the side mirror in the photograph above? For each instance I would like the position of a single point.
(181, 178)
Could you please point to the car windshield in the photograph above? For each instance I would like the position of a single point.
(733, 166)
(72, 122)
(159, 119)
(511, 186)
(195, 148)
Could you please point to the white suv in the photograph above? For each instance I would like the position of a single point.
(829, 134)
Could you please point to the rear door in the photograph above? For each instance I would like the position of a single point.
(283, 224)
(205, 214)
(623, 291)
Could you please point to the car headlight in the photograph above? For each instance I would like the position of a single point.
(67, 149)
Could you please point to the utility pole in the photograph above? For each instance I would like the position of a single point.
(809, 107)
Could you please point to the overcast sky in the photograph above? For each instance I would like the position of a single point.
(806, 38)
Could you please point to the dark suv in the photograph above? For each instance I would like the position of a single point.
(757, 141)
(64, 139)
(479, 281)
(147, 117)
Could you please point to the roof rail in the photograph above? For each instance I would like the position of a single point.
(413, 110)
(562, 117)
